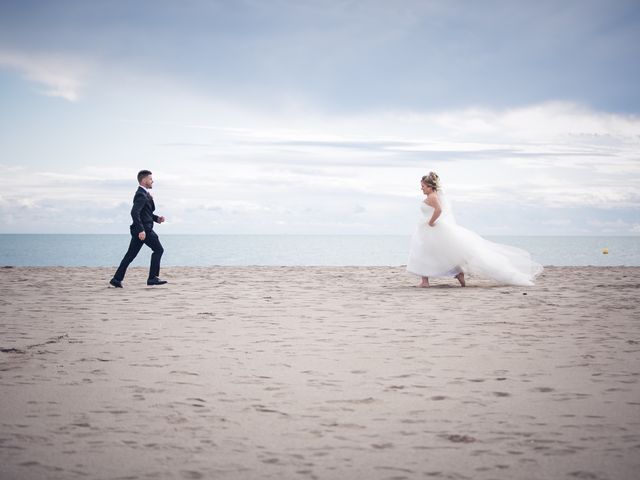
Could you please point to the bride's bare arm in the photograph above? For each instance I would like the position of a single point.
(434, 201)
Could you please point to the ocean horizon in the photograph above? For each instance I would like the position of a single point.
(106, 250)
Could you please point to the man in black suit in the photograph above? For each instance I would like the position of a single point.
(142, 232)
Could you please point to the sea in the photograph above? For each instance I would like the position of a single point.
(86, 250)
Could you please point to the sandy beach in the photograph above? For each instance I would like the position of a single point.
(319, 373)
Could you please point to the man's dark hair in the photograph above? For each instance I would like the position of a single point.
(142, 174)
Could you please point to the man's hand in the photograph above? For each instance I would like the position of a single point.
(160, 219)
(142, 236)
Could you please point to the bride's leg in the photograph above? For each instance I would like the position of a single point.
(460, 278)
(424, 283)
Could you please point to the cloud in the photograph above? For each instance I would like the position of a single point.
(617, 226)
(224, 167)
(351, 56)
(558, 222)
(551, 155)
(58, 75)
(291, 114)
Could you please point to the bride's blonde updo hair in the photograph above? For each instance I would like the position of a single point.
(433, 180)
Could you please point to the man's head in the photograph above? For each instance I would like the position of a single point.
(145, 179)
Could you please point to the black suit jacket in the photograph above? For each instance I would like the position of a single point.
(142, 211)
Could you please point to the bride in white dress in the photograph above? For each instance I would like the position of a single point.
(442, 248)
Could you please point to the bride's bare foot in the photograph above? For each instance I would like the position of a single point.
(424, 283)
(460, 278)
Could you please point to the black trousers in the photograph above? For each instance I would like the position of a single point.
(153, 242)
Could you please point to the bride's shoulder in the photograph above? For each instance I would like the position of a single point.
(432, 199)
(432, 196)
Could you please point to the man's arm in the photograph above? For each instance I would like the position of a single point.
(139, 201)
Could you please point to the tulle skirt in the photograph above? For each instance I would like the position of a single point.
(448, 249)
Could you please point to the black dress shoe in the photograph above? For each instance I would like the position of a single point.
(115, 283)
(156, 281)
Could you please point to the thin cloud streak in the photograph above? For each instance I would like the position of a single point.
(58, 76)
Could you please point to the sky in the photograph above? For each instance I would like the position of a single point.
(320, 117)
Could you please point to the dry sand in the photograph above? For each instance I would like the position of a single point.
(328, 373)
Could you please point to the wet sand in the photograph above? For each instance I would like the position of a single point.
(327, 373)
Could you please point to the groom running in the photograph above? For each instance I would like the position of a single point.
(142, 232)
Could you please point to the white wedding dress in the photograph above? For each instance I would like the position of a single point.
(447, 249)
